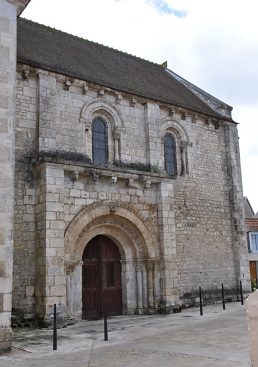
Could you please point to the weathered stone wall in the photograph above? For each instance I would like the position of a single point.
(8, 16)
(25, 195)
(196, 218)
(203, 215)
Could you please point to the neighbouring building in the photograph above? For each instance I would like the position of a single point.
(128, 192)
(251, 222)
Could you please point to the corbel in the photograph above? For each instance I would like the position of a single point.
(114, 179)
(95, 176)
(216, 125)
(147, 182)
(131, 183)
(85, 88)
(25, 74)
(101, 92)
(133, 102)
(75, 175)
(119, 97)
(68, 83)
(194, 118)
(171, 112)
(183, 115)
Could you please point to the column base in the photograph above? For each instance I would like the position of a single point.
(165, 308)
(6, 337)
(47, 321)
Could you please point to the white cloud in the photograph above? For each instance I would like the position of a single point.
(165, 8)
(213, 46)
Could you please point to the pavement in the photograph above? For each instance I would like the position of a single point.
(216, 339)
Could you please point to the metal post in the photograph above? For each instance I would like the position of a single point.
(241, 293)
(54, 330)
(200, 296)
(105, 326)
(237, 295)
(223, 298)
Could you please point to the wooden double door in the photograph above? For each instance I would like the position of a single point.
(101, 279)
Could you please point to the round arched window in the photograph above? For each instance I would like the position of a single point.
(99, 141)
(170, 155)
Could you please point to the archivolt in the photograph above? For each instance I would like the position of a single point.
(128, 229)
(169, 124)
(106, 108)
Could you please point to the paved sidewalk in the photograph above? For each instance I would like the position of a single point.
(216, 339)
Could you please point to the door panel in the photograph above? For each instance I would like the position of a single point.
(253, 271)
(101, 279)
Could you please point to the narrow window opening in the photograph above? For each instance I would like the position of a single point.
(99, 141)
(170, 155)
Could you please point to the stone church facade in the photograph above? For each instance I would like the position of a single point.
(127, 192)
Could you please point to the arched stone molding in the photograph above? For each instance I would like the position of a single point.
(168, 123)
(107, 214)
(108, 109)
(172, 126)
(115, 122)
(137, 244)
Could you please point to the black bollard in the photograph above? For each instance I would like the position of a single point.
(54, 330)
(241, 293)
(223, 298)
(200, 296)
(105, 327)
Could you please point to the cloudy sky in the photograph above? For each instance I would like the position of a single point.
(212, 43)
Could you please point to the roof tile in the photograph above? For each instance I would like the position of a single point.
(53, 50)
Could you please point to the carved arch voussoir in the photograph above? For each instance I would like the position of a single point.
(100, 218)
(106, 108)
(171, 124)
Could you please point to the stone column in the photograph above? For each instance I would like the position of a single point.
(138, 269)
(69, 293)
(117, 139)
(151, 283)
(168, 264)
(50, 269)
(252, 315)
(71, 279)
(145, 300)
(8, 30)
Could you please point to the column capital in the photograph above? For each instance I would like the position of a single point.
(150, 264)
(71, 265)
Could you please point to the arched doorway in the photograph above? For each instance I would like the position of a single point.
(101, 279)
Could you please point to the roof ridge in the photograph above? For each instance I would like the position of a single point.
(92, 42)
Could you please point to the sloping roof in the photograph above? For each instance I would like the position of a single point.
(219, 106)
(249, 213)
(22, 6)
(53, 50)
(252, 224)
